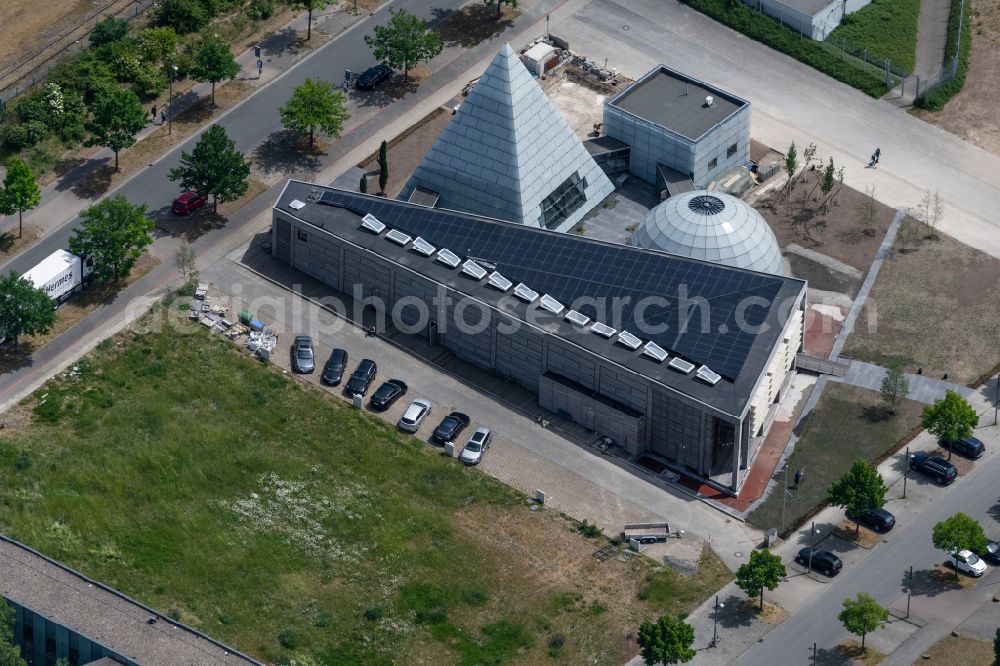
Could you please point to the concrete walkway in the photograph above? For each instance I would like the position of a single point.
(932, 35)
(922, 388)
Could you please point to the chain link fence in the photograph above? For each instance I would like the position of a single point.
(30, 70)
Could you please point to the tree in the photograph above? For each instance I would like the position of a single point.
(764, 570)
(157, 45)
(310, 5)
(950, 418)
(214, 62)
(667, 641)
(861, 488)
(960, 532)
(363, 185)
(826, 183)
(791, 164)
(909, 231)
(184, 259)
(930, 211)
(383, 166)
(867, 212)
(499, 4)
(404, 42)
(862, 615)
(24, 310)
(117, 116)
(10, 655)
(996, 647)
(20, 192)
(114, 233)
(109, 30)
(895, 387)
(214, 167)
(184, 16)
(315, 104)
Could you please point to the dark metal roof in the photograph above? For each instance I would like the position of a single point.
(604, 144)
(649, 293)
(677, 102)
(675, 181)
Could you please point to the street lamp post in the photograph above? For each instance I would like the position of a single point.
(812, 544)
(170, 101)
(906, 470)
(909, 591)
(784, 498)
(996, 403)
(715, 623)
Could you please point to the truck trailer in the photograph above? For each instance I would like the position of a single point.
(61, 274)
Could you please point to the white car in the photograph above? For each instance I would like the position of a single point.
(967, 561)
(414, 415)
(472, 454)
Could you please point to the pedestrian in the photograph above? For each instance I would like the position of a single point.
(163, 116)
(878, 154)
(798, 477)
(153, 111)
(871, 162)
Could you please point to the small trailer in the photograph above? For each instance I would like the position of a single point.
(646, 532)
(61, 274)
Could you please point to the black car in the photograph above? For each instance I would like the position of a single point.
(361, 380)
(970, 447)
(937, 468)
(822, 560)
(333, 371)
(991, 553)
(372, 76)
(450, 427)
(303, 356)
(387, 394)
(877, 520)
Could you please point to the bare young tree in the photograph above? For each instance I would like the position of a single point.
(930, 211)
(909, 231)
(185, 262)
(866, 212)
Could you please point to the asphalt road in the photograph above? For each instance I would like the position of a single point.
(882, 574)
(250, 123)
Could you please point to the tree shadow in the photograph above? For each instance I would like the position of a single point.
(189, 227)
(875, 414)
(994, 511)
(825, 539)
(94, 182)
(989, 391)
(733, 613)
(838, 656)
(390, 91)
(11, 361)
(931, 582)
(286, 41)
(7, 240)
(282, 152)
(471, 25)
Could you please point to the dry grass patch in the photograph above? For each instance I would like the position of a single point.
(11, 245)
(960, 649)
(848, 531)
(945, 575)
(851, 649)
(771, 614)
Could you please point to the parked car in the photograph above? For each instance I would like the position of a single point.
(967, 562)
(970, 447)
(188, 202)
(937, 468)
(474, 449)
(361, 380)
(991, 552)
(877, 520)
(387, 393)
(414, 415)
(822, 560)
(449, 428)
(333, 370)
(372, 76)
(303, 356)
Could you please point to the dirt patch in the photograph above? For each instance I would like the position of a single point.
(771, 614)
(70, 314)
(11, 245)
(962, 465)
(965, 115)
(476, 23)
(959, 649)
(582, 106)
(852, 650)
(763, 154)
(946, 576)
(834, 231)
(922, 303)
(406, 151)
(848, 531)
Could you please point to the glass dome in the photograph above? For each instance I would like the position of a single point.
(712, 226)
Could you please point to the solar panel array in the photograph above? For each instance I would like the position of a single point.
(568, 268)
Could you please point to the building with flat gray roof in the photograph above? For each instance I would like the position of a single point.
(672, 121)
(671, 357)
(812, 19)
(61, 614)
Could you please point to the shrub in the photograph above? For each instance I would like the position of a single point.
(939, 96)
(109, 30)
(288, 639)
(22, 461)
(17, 136)
(324, 619)
(589, 530)
(374, 614)
(260, 10)
(183, 16)
(764, 30)
(556, 643)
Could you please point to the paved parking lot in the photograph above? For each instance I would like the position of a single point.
(523, 455)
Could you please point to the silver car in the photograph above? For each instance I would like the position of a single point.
(414, 415)
(474, 449)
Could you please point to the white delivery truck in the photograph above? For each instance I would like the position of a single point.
(61, 274)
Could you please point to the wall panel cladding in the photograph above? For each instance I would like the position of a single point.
(369, 272)
(317, 255)
(416, 297)
(519, 355)
(676, 430)
(576, 364)
(627, 430)
(468, 334)
(623, 386)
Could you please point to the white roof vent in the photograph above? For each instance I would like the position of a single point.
(295, 204)
(709, 100)
(473, 270)
(448, 258)
(398, 237)
(423, 247)
(551, 304)
(372, 223)
(498, 281)
(602, 329)
(654, 351)
(629, 340)
(680, 365)
(525, 293)
(578, 318)
(706, 375)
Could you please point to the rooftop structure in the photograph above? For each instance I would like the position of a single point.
(510, 155)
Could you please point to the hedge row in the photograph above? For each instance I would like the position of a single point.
(763, 29)
(939, 96)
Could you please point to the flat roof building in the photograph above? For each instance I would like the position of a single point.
(670, 356)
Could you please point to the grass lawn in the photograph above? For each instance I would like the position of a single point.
(274, 517)
(922, 303)
(960, 649)
(842, 428)
(888, 28)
